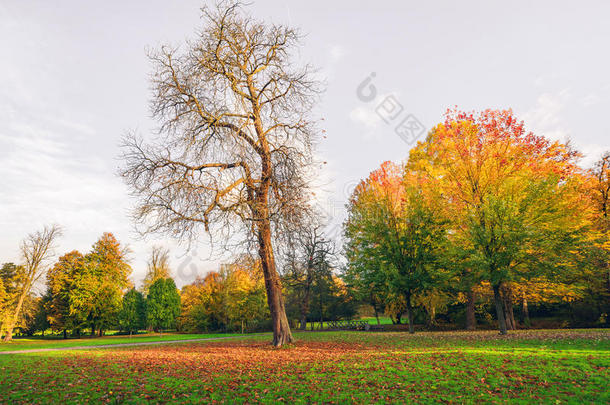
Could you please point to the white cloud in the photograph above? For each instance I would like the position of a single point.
(546, 118)
(365, 116)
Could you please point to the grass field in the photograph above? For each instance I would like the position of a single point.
(331, 367)
(383, 320)
(28, 344)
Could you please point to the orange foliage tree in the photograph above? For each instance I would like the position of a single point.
(515, 199)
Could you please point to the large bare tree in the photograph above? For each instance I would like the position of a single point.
(233, 151)
(37, 250)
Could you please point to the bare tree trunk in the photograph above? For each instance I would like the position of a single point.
(410, 314)
(508, 307)
(509, 325)
(526, 312)
(279, 322)
(510, 318)
(305, 307)
(499, 309)
(471, 320)
(376, 314)
(36, 250)
(607, 265)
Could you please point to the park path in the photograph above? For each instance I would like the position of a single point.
(110, 345)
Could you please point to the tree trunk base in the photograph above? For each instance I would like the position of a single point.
(282, 338)
(499, 310)
(471, 320)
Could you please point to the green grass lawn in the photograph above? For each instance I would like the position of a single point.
(552, 367)
(39, 343)
(383, 320)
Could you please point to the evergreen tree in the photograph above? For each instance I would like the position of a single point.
(132, 316)
(162, 304)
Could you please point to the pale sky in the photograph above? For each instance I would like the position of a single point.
(74, 78)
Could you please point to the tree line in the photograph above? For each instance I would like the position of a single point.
(84, 292)
(92, 293)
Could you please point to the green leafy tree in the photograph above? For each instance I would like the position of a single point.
(34, 316)
(97, 293)
(60, 286)
(162, 304)
(132, 316)
(393, 226)
(368, 284)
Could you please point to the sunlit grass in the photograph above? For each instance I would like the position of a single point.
(30, 344)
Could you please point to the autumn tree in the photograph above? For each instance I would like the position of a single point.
(132, 316)
(202, 306)
(192, 316)
(231, 299)
(60, 284)
(514, 198)
(243, 293)
(601, 185)
(3, 303)
(162, 304)
(157, 267)
(37, 249)
(392, 225)
(599, 193)
(233, 150)
(9, 279)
